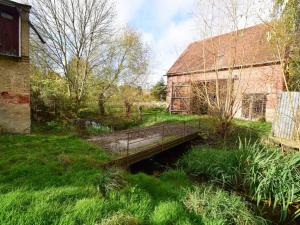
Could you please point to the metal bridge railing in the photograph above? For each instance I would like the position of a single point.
(141, 139)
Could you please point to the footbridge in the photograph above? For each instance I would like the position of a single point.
(131, 146)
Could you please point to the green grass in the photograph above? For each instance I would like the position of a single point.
(165, 117)
(59, 180)
(170, 194)
(55, 177)
(219, 165)
(42, 161)
(61, 128)
(219, 207)
(250, 130)
(272, 176)
(240, 129)
(48, 179)
(266, 174)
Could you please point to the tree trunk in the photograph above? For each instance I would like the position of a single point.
(101, 102)
(77, 105)
(127, 108)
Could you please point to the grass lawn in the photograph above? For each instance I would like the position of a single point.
(49, 179)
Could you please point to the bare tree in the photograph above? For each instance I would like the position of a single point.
(285, 37)
(75, 32)
(126, 63)
(222, 90)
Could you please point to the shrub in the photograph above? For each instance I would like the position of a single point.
(54, 126)
(219, 207)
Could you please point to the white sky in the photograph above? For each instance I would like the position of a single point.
(168, 26)
(21, 1)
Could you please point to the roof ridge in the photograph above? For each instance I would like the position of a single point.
(227, 33)
(252, 48)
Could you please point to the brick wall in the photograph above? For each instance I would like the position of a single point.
(15, 85)
(264, 79)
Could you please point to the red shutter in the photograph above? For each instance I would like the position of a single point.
(9, 31)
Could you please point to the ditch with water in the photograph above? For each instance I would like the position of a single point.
(160, 162)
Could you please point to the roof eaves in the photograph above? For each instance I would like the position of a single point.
(268, 63)
(14, 3)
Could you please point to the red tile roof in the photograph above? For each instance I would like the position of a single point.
(245, 47)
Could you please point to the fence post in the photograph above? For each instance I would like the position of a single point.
(115, 140)
(127, 150)
(162, 138)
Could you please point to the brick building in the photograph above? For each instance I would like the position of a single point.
(246, 56)
(14, 67)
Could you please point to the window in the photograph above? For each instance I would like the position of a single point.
(9, 31)
(254, 105)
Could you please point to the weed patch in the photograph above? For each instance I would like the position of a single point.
(219, 207)
(267, 174)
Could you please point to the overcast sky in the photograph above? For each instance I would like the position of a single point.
(168, 26)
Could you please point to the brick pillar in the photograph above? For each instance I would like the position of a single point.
(15, 84)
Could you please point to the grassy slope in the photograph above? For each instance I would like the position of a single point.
(44, 178)
(50, 180)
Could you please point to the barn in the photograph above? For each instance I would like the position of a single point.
(246, 56)
(14, 67)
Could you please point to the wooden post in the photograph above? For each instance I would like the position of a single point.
(127, 150)
(162, 138)
(115, 140)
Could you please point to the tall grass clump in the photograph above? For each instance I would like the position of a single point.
(120, 218)
(218, 207)
(170, 212)
(272, 176)
(268, 175)
(110, 180)
(218, 165)
(98, 129)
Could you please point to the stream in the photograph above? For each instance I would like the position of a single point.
(160, 162)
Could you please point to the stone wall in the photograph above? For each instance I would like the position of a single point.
(264, 79)
(15, 85)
